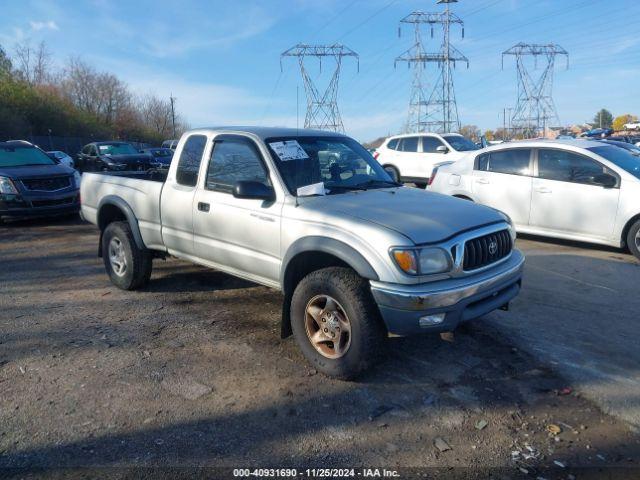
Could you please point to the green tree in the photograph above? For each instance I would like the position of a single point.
(603, 119)
(5, 62)
(489, 135)
(619, 122)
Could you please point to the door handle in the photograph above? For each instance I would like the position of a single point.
(543, 190)
(484, 181)
(204, 207)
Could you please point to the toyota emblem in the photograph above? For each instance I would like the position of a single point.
(493, 247)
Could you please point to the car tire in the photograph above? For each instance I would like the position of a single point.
(633, 239)
(360, 344)
(128, 266)
(393, 172)
(421, 185)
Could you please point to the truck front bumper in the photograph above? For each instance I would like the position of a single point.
(443, 305)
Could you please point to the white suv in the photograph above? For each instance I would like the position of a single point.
(411, 157)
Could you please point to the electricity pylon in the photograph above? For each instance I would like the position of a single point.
(437, 112)
(322, 108)
(535, 109)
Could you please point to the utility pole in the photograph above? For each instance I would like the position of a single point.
(172, 99)
(504, 124)
(322, 109)
(438, 112)
(534, 107)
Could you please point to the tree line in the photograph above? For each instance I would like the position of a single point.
(77, 100)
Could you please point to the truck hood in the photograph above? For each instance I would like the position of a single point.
(35, 171)
(423, 217)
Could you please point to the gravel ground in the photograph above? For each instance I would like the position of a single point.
(191, 372)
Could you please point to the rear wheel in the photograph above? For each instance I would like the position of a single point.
(633, 239)
(421, 185)
(336, 323)
(128, 266)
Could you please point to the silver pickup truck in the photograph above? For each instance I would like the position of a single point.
(357, 256)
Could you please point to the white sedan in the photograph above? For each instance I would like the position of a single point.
(573, 189)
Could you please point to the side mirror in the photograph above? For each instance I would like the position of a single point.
(253, 191)
(605, 180)
(442, 149)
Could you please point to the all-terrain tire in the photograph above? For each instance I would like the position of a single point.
(633, 239)
(138, 262)
(368, 333)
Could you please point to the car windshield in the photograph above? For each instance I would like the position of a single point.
(116, 149)
(161, 152)
(22, 155)
(460, 143)
(340, 163)
(625, 159)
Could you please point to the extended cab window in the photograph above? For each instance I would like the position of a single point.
(567, 166)
(430, 144)
(234, 160)
(409, 144)
(512, 162)
(190, 158)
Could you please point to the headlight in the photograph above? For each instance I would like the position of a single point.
(77, 178)
(422, 261)
(434, 260)
(7, 187)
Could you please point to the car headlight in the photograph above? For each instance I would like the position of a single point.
(7, 187)
(422, 261)
(77, 178)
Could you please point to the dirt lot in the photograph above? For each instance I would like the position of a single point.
(191, 372)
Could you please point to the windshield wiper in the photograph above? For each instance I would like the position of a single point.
(376, 182)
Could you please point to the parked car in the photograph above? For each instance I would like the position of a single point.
(597, 132)
(627, 146)
(310, 213)
(411, 157)
(62, 158)
(581, 190)
(32, 183)
(632, 126)
(170, 144)
(114, 156)
(161, 156)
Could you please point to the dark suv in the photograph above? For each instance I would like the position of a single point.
(32, 183)
(112, 156)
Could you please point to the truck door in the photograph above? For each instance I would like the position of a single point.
(237, 234)
(176, 203)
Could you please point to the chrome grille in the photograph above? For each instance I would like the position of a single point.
(482, 251)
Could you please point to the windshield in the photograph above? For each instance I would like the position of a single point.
(625, 159)
(117, 149)
(22, 155)
(162, 152)
(341, 163)
(460, 143)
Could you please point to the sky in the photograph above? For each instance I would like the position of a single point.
(221, 59)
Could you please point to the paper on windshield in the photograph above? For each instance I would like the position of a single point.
(289, 150)
(313, 189)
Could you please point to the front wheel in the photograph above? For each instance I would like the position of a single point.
(633, 239)
(392, 172)
(336, 322)
(128, 266)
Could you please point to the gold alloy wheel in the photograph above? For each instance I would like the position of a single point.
(327, 326)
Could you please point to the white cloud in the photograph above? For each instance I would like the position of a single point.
(45, 25)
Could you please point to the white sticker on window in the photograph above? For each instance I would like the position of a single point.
(289, 150)
(313, 189)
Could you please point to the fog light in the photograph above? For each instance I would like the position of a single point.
(429, 320)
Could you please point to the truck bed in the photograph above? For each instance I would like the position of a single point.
(141, 191)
